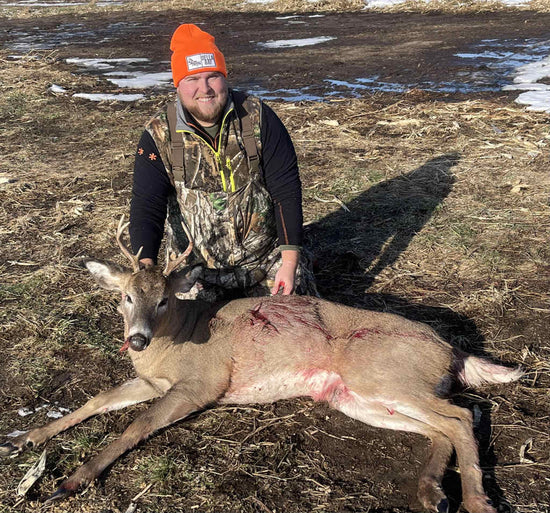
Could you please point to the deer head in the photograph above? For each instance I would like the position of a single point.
(146, 293)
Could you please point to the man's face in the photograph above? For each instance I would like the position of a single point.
(204, 95)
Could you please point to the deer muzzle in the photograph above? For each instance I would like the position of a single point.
(138, 342)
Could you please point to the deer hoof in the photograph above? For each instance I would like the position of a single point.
(60, 494)
(431, 496)
(443, 506)
(9, 449)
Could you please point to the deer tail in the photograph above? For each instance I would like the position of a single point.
(474, 371)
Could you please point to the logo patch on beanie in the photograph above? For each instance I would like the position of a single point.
(200, 60)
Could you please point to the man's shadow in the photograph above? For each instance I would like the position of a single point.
(379, 224)
(354, 244)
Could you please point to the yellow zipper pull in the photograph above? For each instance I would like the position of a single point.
(220, 166)
(230, 167)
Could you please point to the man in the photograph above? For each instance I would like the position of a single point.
(222, 164)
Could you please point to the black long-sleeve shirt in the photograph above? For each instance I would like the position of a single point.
(279, 166)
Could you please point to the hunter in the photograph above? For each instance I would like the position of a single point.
(222, 163)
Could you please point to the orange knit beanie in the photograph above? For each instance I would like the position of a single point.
(194, 51)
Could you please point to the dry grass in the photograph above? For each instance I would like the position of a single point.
(446, 219)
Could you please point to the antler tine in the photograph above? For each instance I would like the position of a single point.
(134, 259)
(173, 264)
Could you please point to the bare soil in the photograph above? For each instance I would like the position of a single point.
(434, 206)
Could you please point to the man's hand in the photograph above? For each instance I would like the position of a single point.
(145, 263)
(286, 275)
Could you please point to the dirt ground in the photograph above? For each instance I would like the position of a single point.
(431, 205)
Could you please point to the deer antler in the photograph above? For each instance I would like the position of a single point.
(134, 259)
(173, 262)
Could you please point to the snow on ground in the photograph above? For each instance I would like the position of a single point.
(537, 94)
(519, 64)
(99, 97)
(292, 43)
(527, 61)
(495, 64)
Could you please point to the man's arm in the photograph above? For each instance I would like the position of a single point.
(282, 179)
(150, 190)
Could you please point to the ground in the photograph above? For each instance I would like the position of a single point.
(432, 205)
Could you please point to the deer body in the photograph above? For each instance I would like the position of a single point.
(379, 368)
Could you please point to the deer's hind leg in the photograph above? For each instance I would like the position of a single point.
(131, 392)
(456, 423)
(387, 416)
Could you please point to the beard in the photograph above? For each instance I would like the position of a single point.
(209, 114)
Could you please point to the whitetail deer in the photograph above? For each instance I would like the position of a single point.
(379, 368)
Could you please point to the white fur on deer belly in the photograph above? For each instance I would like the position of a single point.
(318, 384)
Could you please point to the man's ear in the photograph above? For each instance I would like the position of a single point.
(107, 275)
(182, 282)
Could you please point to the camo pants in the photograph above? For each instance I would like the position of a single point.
(219, 284)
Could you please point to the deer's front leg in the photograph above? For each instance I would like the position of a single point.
(131, 392)
(177, 404)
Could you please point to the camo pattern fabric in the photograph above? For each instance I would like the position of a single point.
(225, 207)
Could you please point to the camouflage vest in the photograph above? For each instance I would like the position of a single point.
(219, 195)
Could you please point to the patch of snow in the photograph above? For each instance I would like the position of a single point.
(24, 412)
(382, 3)
(531, 73)
(536, 100)
(23, 57)
(99, 97)
(536, 95)
(100, 64)
(289, 95)
(290, 43)
(139, 80)
(57, 89)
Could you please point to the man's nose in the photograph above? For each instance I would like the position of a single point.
(204, 86)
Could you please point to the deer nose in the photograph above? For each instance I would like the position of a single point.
(138, 342)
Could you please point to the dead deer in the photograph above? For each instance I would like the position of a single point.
(379, 368)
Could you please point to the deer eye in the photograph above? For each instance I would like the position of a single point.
(163, 302)
(129, 299)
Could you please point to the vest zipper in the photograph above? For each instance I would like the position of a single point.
(217, 153)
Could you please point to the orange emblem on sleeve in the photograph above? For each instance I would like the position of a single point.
(152, 156)
(141, 151)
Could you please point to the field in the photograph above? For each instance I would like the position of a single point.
(432, 205)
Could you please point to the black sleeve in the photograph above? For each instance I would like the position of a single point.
(280, 170)
(150, 191)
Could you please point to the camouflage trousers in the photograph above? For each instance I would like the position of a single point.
(220, 284)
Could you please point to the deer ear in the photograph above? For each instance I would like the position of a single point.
(182, 282)
(107, 275)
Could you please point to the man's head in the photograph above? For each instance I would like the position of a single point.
(199, 71)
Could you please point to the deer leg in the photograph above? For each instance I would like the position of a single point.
(430, 493)
(177, 404)
(376, 413)
(456, 423)
(132, 392)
